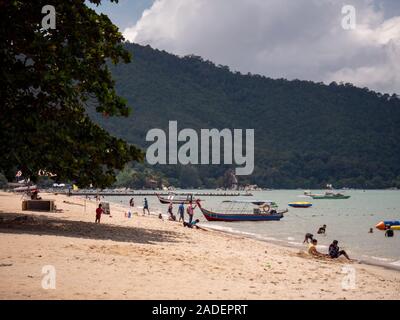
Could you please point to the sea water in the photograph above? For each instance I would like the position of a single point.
(347, 220)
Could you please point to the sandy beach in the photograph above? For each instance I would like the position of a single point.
(147, 258)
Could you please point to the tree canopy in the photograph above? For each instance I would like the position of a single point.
(48, 77)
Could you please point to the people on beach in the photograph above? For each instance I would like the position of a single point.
(171, 214)
(146, 206)
(131, 202)
(160, 217)
(322, 230)
(308, 238)
(99, 212)
(193, 224)
(335, 252)
(35, 195)
(312, 249)
(181, 212)
(190, 211)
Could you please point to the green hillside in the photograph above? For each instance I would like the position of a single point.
(306, 134)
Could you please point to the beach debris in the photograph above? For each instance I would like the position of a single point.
(6, 264)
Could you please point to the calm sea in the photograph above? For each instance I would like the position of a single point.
(348, 221)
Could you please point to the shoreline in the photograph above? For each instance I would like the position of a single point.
(146, 258)
(357, 258)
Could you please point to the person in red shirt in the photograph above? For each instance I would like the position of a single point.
(99, 211)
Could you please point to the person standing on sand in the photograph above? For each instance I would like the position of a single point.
(181, 212)
(99, 211)
(190, 211)
(171, 214)
(132, 202)
(145, 206)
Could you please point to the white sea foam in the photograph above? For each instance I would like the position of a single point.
(396, 263)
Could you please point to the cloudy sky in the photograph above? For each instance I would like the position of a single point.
(303, 39)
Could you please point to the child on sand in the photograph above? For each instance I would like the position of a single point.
(99, 211)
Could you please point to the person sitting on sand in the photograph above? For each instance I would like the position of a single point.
(145, 206)
(308, 238)
(335, 252)
(312, 249)
(99, 211)
(160, 217)
(322, 229)
(192, 224)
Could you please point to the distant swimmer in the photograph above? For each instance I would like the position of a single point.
(322, 229)
(389, 233)
(335, 252)
(308, 238)
(371, 230)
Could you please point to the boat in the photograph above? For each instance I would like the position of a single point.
(383, 225)
(263, 212)
(329, 195)
(300, 204)
(185, 198)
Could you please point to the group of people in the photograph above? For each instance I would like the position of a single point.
(181, 212)
(334, 251)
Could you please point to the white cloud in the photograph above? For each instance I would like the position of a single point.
(300, 39)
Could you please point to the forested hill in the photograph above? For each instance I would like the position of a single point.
(306, 134)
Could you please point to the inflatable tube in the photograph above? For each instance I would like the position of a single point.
(395, 227)
(383, 225)
(300, 204)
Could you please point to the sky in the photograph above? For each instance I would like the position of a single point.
(292, 39)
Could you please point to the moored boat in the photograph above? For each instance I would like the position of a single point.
(176, 198)
(264, 212)
(329, 195)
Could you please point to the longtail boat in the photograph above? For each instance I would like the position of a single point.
(263, 212)
(176, 198)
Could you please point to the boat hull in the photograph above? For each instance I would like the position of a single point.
(330, 197)
(163, 200)
(213, 216)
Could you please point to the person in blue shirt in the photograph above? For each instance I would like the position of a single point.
(181, 212)
(145, 206)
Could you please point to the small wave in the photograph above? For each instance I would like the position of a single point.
(396, 263)
(297, 244)
(380, 258)
(291, 238)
